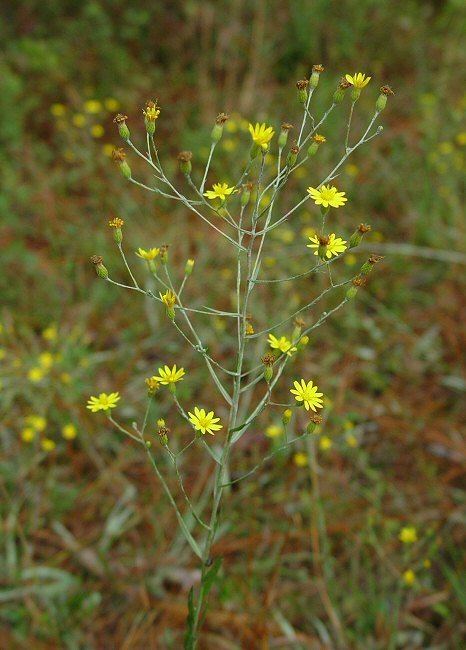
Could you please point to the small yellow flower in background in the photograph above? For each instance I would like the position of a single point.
(219, 191)
(46, 360)
(204, 422)
(325, 443)
(28, 434)
(50, 333)
(69, 431)
(307, 393)
(352, 170)
(335, 245)
(149, 254)
(274, 431)
(78, 120)
(36, 422)
(92, 106)
(108, 149)
(282, 344)
(168, 298)
(58, 110)
(111, 104)
(300, 459)
(97, 131)
(47, 444)
(408, 535)
(103, 402)
(327, 196)
(261, 134)
(409, 577)
(358, 80)
(351, 259)
(426, 563)
(170, 376)
(35, 375)
(2, 354)
(351, 440)
(229, 145)
(65, 378)
(461, 138)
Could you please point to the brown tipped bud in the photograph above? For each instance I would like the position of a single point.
(217, 131)
(358, 234)
(246, 194)
(163, 433)
(164, 253)
(283, 137)
(292, 155)
(222, 118)
(366, 268)
(96, 259)
(302, 90)
(358, 281)
(316, 71)
(313, 423)
(118, 155)
(286, 416)
(120, 121)
(386, 90)
(99, 267)
(268, 359)
(184, 158)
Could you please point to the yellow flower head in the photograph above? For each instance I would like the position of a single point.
(151, 112)
(50, 333)
(300, 459)
(358, 80)
(69, 431)
(409, 577)
(103, 403)
(149, 254)
(219, 191)
(170, 376)
(97, 130)
(261, 135)
(92, 106)
(282, 344)
(153, 385)
(327, 196)
(335, 245)
(47, 444)
(204, 422)
(36, 422)
(274, 431)
(116, 222)
(168, 298)
(320, 139)
(408, 535)
(307, 393)
(45, 360)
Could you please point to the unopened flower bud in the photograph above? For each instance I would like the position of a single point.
(217, 131)
(313, 423)
(188, 269)
(298, 327)
(356, 283)
(164, 253)
(339, 93)
(381, 102)
(292, 156)
(302, 90)
(99, 267)
(316, 70)
(303, 341)
(268, 360)
(119, 156)
(163, 432)
(366, 268)
(283, 137)
(317, 140)
(184, 158)
(286, 417)
(151, 113)
(323, 243)
(160, 422)
(120, 121)
(358, 234)
(246, 194)
(153, 385)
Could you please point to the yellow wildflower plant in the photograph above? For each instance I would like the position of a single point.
(204, 422)
(37, 422)
(327, 196)
(152, 111)
(334, 246)
(28, 434)
(104, 402)
(92, 106)
(47, 444)
(282, 344)
(409, 577)
(325, 443)
(358, 80)
(261, 135)
(36, 374)
(274, 431)
(50, 333)
(168, 298)
(46, 360)
(220, 191)
(169, 375)
(300, 459)
(408, 535)
(149, 254)
(307, 393)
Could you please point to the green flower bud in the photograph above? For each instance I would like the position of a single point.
(283, 137)
(355, 94)
(315, 144)
(339, 93)
(316, 70)
(381, 102)
(255, 149)
(246, 194)
(314, 422)
(358, 234)
(188, 269)
(292, 156)
(125, 169)
(302, 90)
(351, 293)
(184, 158)
(367, 267)
(99, 267)
(120, 121)
(164, 254)
(217, 131)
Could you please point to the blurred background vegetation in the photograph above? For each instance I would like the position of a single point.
(87, 552)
